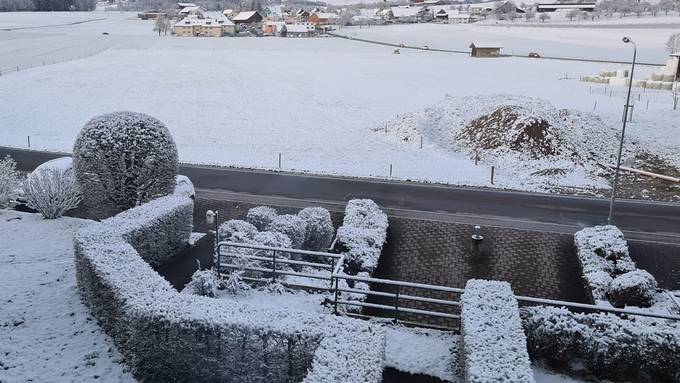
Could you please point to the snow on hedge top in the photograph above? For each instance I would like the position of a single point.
(523, 134)
(602, 251)
(145, 293)
(494, 345)
(363, 233)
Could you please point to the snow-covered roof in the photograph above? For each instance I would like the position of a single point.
(194, 8)
(442, 12)
(676, 54)
(227, 12)
(184, 5)
(243, 16)
(405, 11)
(489, 5)
(206, 22)
(326, 15)
(486, 44)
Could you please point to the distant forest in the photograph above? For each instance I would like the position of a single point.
(46, 5)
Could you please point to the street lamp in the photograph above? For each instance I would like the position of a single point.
(623, 131)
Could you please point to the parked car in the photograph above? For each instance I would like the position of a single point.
(534, 55)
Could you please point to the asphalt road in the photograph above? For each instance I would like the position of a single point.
(639, 220)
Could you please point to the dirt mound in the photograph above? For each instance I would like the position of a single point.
(513, 128)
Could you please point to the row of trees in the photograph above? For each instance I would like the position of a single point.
(607, 8)
(46, 5)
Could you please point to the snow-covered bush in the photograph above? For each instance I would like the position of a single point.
(292, 226)
(171, 337)
(494, 348)
(603, 254)
(124, 159)
(611, 347)
(634, 288)
(320, 228)
(203, 283)
(261, 216)
(9, 181)
(52, 192)
(362, 235)
(236, 230)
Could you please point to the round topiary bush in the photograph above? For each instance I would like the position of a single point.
(236, 230)
(124, 159)
(320, 228)
(634, 288)
(292, 226)
(261, 216)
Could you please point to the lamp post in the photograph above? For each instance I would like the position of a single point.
(213, 218)
(623, 131)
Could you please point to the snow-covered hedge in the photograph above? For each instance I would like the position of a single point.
(603, 255)
(261, 216)
(292, 226)
(171, 337)
(236, 230)
(124, 159)
(319, 231)
(362, 235)
(609, 346)
(493, 344)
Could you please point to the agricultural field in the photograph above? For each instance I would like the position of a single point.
(325, 104)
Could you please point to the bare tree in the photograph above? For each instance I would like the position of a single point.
(160, 25)
(572, 14)
(543, 17)
(52, 192)
(673, 43)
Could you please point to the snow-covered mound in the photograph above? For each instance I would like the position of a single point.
(522, 135)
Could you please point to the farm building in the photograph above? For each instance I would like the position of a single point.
(323, 18)
(441, 15)
(485, 49)
(250, 17)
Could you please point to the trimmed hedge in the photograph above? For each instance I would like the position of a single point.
(493, 344)
(611, 347)
(603, 254)
(166, 336)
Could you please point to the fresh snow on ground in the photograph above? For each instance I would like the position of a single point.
(242, 101)
(46, 334)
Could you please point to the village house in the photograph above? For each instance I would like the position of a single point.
(271, 27)
(442, 16)
(323, 18)
(408, 14)
(480, 8)
(461, 18)
(298, 30)
(249, 17)
(204, 27)
(485, 49)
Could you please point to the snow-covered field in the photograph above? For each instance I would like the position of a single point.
(318, 102)
(520, 38)
(46, 334)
